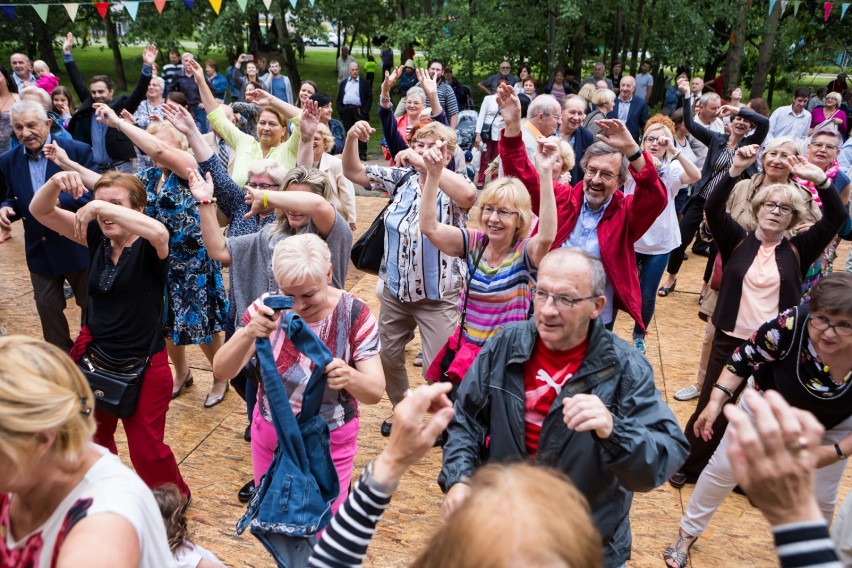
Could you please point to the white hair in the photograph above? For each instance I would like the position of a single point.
(299, 259)
(28, 107)
(38, 93)
(543, 103)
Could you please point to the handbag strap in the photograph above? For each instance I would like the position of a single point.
(468, 280)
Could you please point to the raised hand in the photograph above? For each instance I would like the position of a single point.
(179, 117)
(615, 133)
(409, 157)
(801, 167)
(361, 130)
(259, 97)
(429, 84)
(309, 120)
(509, 104)
(125, 114)
(149, 55)
(743, 158)
(727, 110)
(390, 80)
(69, 182)
(106, 115)
(196, 70)
(56, 154)
(434, 160)
(683, 86)
(546, 155)
(665, 143)
(68, 44)
(200, 187)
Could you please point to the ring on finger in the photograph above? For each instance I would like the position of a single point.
(800, 444)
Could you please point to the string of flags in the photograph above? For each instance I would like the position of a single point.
(827, 7)
(132, 7)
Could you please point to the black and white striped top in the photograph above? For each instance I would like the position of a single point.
(806, 544)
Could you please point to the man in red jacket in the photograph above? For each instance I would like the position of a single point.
(595, 215)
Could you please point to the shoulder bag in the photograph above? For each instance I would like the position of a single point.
(485, 133)
(368, 250)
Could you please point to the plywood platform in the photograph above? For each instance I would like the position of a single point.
(216, 461)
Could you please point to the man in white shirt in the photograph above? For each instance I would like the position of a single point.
(791, 120)
(23, 70)
(645, 82)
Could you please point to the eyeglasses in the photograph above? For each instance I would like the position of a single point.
(561, 302)
(503, 214)
(604, 175)
(651, 139)
(262, 186)
(821, 146)
(772, 206)
(504, 68)
(819, 323)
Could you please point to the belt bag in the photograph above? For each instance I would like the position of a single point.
(116, 383)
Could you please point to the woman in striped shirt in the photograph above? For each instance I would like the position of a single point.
(500, 276)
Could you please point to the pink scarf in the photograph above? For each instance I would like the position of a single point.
(831, 172)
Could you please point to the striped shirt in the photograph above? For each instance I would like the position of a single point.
(720, 169)
(805, 544)
(498, 295)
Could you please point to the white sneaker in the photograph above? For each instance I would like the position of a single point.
(687, 393)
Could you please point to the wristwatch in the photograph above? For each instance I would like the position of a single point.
(371, 482)
(635, 156)
(840, 453)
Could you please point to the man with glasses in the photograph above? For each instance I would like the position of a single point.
(543, 118)
(446, 96)
(594, 215)
(489, 85)
(562, 390)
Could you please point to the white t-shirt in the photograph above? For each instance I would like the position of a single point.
(190, 554)
(108, 487)
(664, 234)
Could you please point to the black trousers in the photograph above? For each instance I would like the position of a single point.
(692, 214)
(50, 303)
(349, 115)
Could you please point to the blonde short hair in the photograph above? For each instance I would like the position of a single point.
(512, 193)
(602, 97)
(176, 136)
(299, 259)
(793, 194)
(587, 92)
(566, 152)
(42, 390)
(39, 65)
(327, 137)
(437, 131)
(318, 182)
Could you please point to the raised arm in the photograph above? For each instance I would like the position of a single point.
(726, 231)
(73, 72)
(315, 206)
(182, 120)
(172, 158)
(353, 168)
(262, 98)
(761, 126)
(448, 239)
(701, 133)
(545, 158)
(44, 205)
(207, 99)
(307, 128)
(430, 87)
(149, 56)
(214, 241)
(57, 154)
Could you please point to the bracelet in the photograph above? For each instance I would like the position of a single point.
(206, 201)
(385, 100)
(635, 156)
(265, 198)
(371, 482)
(825, 184)
(676, 156)
(840, 453)
(724, 389)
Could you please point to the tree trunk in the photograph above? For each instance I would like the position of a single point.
(734, 59)
(637, 32)
(616, 38)
(290, 59)
(579, 48)
(771, 86)
(764, 53)
(45, 47)
(112, 42)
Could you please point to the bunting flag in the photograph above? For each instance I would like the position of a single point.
(160, 4)
(72, 10)
(843, 8)
(784, 5)
(293, 4)
(189, 3)
(796, 7)
(217, 5)
(312, 2)
(9, 11)
(771, 5)
(827, 7)
(132, 9)
(242, 4)
(41, 10)
(103, 8)
(267, 3)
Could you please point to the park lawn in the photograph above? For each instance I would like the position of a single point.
(318, 66)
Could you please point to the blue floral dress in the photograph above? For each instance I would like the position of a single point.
(198, 301)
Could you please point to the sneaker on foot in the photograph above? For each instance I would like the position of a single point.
(687, 393)
(639, 343)
(418, 360)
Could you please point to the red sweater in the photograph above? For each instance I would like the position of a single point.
(625, 221)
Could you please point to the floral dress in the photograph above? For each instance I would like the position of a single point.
(198, 301)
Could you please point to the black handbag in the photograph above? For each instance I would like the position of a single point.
(114, 382)
(368, 250)
(485, 133)
(450, 352)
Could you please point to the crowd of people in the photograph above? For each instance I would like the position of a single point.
(583, 205)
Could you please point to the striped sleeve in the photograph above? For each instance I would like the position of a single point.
(807, 544)
(344, 543)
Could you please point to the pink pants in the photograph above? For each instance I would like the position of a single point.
(344, 446)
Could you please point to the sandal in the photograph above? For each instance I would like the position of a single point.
(664, 291)
(674, 556)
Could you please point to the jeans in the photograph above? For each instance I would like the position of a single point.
(651, 268)
(681, 198)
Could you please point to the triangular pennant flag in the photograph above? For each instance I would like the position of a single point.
(293, 4)
(9, 11)
(267, 3)
(217, 5)
(160, 4)
(132, 9)
(827, 7)
(41, 10)
(72, 10)
(784, 5)
(843, 8)
(771, 5)
(189, 3)
(103, 8)
(242, 4)
(312, 2)
(796, 7)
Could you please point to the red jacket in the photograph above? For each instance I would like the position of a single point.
(625, 221)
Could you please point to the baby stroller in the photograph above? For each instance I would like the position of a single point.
(466, 129)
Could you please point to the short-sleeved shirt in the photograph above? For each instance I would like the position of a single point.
(107, 487)
(644, 84)
(350, 332)
(412, 268)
